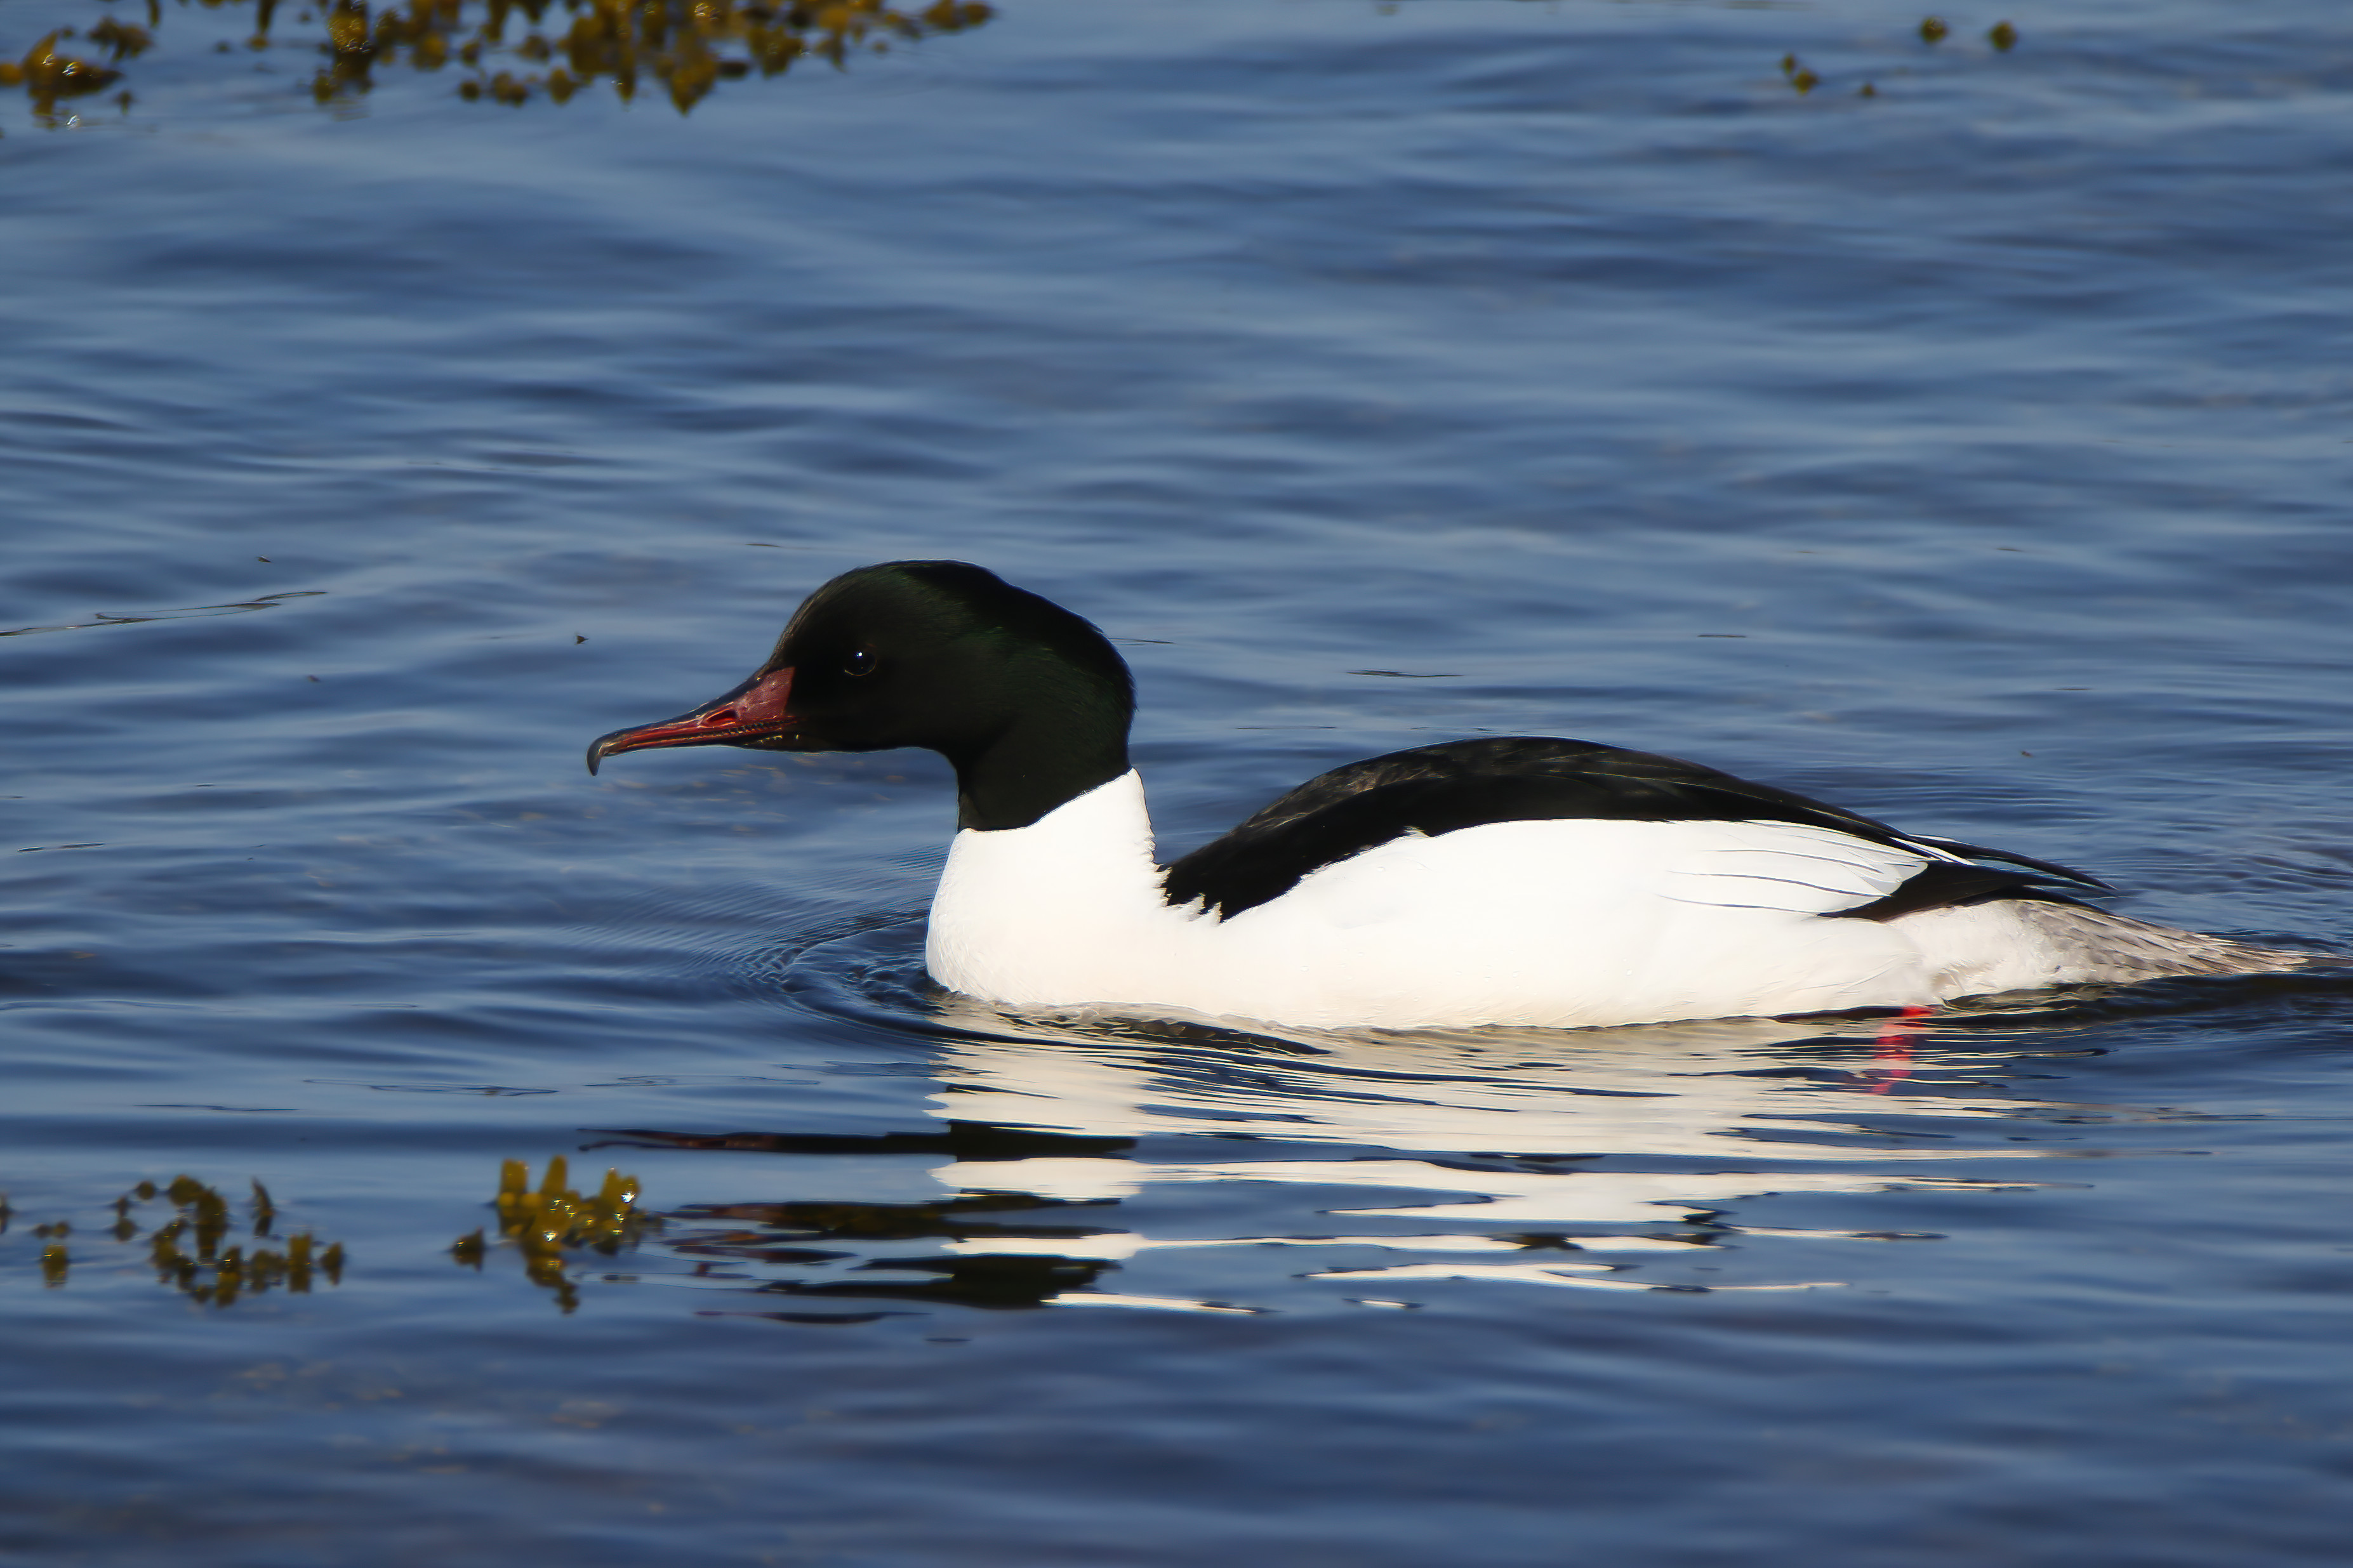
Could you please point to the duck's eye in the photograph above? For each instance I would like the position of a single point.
(859, 663)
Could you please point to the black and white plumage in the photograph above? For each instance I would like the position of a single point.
(1457, 784)
(1494, 881)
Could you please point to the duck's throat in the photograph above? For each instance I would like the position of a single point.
(1034, 767)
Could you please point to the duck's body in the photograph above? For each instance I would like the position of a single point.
(1504, 882)
(1557, 922)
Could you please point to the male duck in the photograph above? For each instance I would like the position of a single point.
(1490, 881)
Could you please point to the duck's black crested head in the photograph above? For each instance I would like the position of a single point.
(945, 655)
(1028, 702)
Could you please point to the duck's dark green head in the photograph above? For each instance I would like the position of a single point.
(1028, 702)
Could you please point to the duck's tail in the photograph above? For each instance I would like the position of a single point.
(2117, 949)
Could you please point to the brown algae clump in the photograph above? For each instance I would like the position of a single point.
(547, 1222)
(686, 47)
(192, 1251)
(47, 74)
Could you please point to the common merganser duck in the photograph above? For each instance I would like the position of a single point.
(1513, 880)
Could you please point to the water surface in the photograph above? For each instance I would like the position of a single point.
(1972, 454)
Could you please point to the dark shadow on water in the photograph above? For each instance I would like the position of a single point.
(962, 1140)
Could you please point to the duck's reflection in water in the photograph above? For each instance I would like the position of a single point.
(1074, 1145)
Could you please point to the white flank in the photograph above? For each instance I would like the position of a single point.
(1557, 923)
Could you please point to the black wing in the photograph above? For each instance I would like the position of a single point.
(1468, 784)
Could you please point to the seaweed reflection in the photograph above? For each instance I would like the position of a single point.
(556, 47)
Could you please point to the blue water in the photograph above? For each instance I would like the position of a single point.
(1974, 455)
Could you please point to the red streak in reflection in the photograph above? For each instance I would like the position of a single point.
(1895, 1044)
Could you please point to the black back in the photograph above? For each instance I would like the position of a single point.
(1440, 789)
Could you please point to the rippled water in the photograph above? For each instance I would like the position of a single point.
(1973, 454)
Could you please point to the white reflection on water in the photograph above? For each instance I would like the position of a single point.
(1680, 1088)
(1511, 1107)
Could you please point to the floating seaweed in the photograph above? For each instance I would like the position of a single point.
(1802, 78)
(191, 1250)
(46, 74)
(548, 1222)
(687, 46)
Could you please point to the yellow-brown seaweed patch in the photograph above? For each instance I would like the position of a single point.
(48, 74)
(686, 47)
(548, 1222)
(191, 1251)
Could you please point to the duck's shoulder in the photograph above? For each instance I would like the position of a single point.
(1434, 790)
